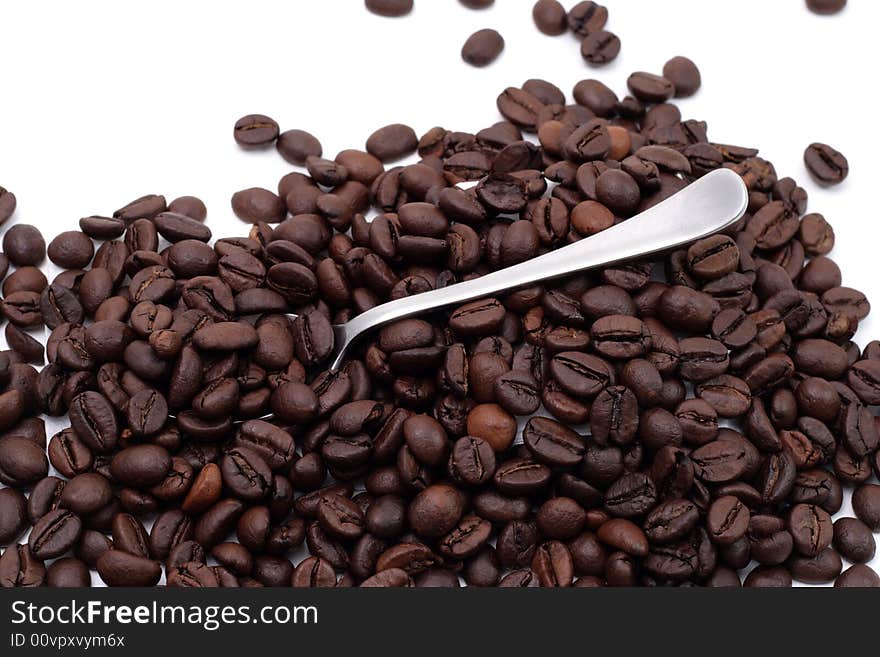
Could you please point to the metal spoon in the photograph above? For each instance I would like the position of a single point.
(706, 206)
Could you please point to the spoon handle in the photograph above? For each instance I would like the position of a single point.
(706, 206)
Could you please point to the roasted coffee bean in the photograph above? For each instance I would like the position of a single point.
(246, 474)
(550, 17)
(826, 164)
(553, 565)
(22, 461)
(255, 130)
(54, 534)
(866, 504)
(631, 495)
(24, 245)
(141, 466)
(119, 568)
(826, 6)
(853, 540)
(859, 576)
(810, 528)
(586, 17)
(94, 420)
(20, 568)
(600, 47)
(13, 515)
(552, 443)
(482, 47)
(390, 8)
(7, 205)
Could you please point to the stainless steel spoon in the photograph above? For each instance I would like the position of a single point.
(706, 206)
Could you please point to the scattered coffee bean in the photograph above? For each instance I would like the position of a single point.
(600, 47)
(255, 130)
(550, 17)
(389, 8)
(684, 75)
(826, 165)
(826, 7)
(7, 205)
(482, 47)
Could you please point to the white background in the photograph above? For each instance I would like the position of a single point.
(101, 102)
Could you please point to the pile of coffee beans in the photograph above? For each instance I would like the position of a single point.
(692, 419)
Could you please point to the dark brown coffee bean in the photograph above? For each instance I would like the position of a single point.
(20, 568)
(7, 205)
(13, 515)
(550, 17)
(482, 47)
(826, 7)
(255, 130)
(811, 529)
(650, 88)
(24, 245)
(389, 8)
(684, 75)
(827, 165)
(866, 504)
(94, 420)
(119, 568)
(586, 17)
(553, 565)
(54, 534)
(600, 47)
(141, 466)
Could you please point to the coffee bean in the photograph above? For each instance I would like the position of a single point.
(811, 529)
(147, 412)
(94, 421)
(649, 87)
(246, 474)
(24, 245)
(631, 495)
(826, 7)
(86, 493)
(392, 142)
(859, 576)
(7, 205)
(68, 573)
(600, 47)
(854, 540)
(553, 565)
(20, 568)
(550, 17)
(22, 461)
(586, 17)
(256, 204)
(519, 107)
(684, 75)
(141, 466)
(482, 47)
(826, 165)
(54, 534)
(866, 504)
(255, 130)
(118, 568)
(390, 8)
(102, 228)
(71, 250)
(13, 515)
